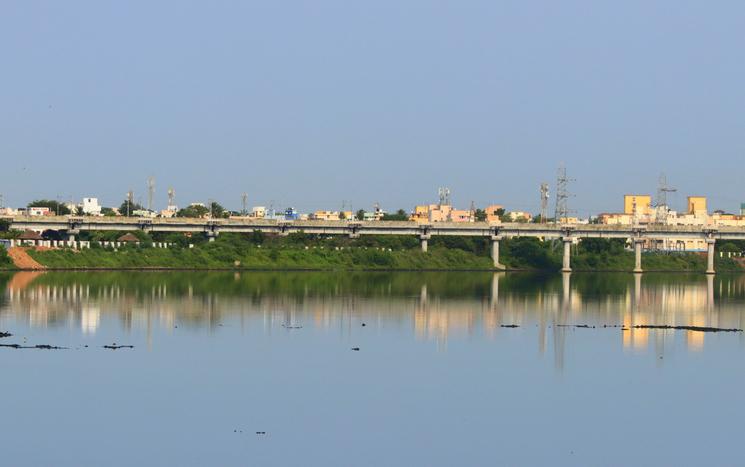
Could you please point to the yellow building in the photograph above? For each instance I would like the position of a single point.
(697, 205)
(640, 205)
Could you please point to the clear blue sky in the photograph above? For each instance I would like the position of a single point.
(309, 103)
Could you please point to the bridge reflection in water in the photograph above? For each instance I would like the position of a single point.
(430, 306)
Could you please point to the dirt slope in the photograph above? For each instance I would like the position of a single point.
(22, 260)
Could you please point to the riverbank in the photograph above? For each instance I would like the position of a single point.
(370, 253)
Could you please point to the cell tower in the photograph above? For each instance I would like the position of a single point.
(444, 195)
(661, 206)
(2, 201)
(544, 202)
(150, 192)
(244, 203)
(472, 211)
(171, 198)
(562, 194)
(130, 200)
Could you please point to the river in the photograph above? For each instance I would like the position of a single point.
(370, 369)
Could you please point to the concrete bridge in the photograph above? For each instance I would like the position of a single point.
(567, 233)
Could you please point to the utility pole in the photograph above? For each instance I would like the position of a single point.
(544, 202)
(244, 202)
(562, 195)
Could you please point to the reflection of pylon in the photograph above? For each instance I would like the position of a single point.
(561, 212)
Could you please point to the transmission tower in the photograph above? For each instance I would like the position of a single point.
(444, 195)
(544, 202)
(150, 192)
(171, 198)
(562, 194)
(2, 201)
(244, 203)
(661, 206)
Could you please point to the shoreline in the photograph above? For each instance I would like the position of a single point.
(243, 269)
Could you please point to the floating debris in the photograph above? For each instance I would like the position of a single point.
(291, 326)
(114, 346)
(38, 346)
(363, 324)
(686, 328)
(583, 326)
(5, 334)
(356, 349)
(509, 325)
(260, 432)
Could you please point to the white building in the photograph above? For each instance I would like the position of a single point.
(91, 207)
(38, 211)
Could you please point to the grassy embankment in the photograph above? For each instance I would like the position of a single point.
(5, 261)
(301, 251)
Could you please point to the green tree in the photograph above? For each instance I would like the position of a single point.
(400, 215)
(342, 216)
(127, 208)
(55, 206)
(193, 211)
(361, 215)
(108, 212)
(480, 215)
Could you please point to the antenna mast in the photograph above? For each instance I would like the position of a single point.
(171, 198)
(150, 192)
(544, 202)
(244, 203)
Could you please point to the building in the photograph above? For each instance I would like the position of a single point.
(258, 212)
(291, 214)
(39, 211)
(697, 205)
(639, 205)
(427, 214)
(742, 209)
(494, 213)
(519, 216)
(91, 207)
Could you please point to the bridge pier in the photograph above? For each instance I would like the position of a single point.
(566, 265)
(211, 236)
(423, 239)
(495, 239)
(638, 242)
(710, 256)
(71, 234)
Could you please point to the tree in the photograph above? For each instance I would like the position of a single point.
(400, 215)
(127, 208)
(108, 212)
(361, 215)
(342, 216)
(480, 215)
(194, 210)
(54, 206)
(216, 210)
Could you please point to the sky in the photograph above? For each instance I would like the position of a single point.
(315, 104)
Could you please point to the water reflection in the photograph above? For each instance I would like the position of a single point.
(435, 306)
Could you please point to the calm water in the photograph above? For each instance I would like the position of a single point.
(437, 381)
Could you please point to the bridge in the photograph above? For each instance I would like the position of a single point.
(567, 233)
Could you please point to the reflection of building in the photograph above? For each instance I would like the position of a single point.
(434, 312)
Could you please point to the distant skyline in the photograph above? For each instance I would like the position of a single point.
(309, 104)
